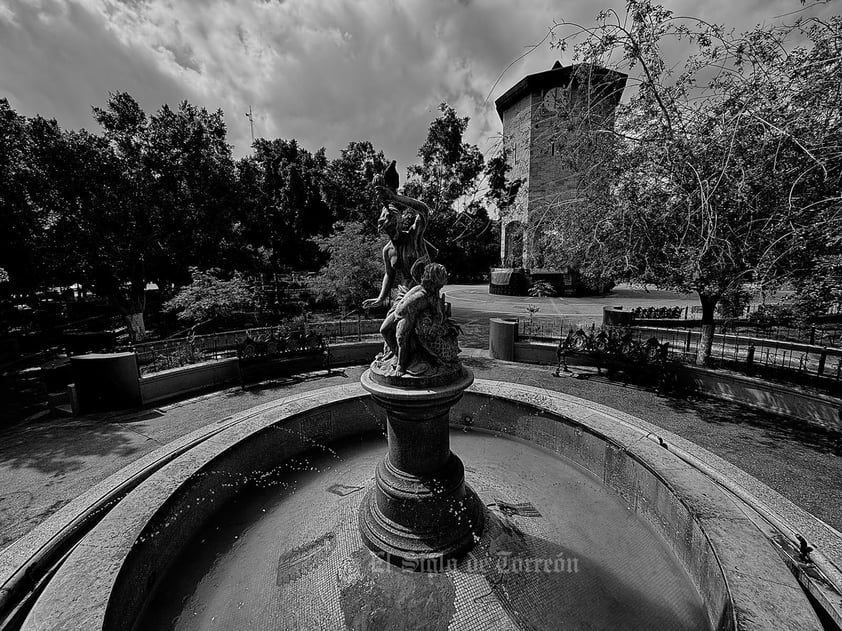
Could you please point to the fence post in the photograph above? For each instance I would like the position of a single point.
(822, 360)
(687, 342)
(359, 328)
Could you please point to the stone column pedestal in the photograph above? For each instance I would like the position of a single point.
(419, 513)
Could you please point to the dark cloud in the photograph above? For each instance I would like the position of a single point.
(59, 60)
(324, 72)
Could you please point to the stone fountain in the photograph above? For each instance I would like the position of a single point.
(420, 512)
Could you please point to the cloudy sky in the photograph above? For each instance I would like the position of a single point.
(322, 71)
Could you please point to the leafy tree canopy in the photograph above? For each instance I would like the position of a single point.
(449, 167)
(354, 268)
(724, 172)
(348, 188)
(210, 296)
(286, 203)
(449, 170)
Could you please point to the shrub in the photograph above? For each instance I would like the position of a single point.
(773, 315)
(208, 296)
(541, 289)
(733, 303)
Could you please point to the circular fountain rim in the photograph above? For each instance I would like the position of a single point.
(189, 454)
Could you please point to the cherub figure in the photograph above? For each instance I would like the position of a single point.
(417, 327)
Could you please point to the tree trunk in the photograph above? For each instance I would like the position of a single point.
(132, 308)
(137, 326)
(707, 330)
(137, 305)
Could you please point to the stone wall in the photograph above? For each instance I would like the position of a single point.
(517, 125)
(534, 131)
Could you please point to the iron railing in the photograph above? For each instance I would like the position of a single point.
(798, 362)
(161, 355)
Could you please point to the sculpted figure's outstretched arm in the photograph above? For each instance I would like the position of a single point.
(386, 287)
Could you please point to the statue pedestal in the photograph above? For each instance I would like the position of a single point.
(420, 512)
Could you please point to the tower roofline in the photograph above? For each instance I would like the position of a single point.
(557, 76)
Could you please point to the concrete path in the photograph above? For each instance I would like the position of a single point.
(47, 462)
(475, 301)
(472, 306)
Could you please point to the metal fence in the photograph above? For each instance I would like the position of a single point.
(554, 328)
(161, 355)
(792, 361)
(829, 335)
(820, 333)
(744, 352)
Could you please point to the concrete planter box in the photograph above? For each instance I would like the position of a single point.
(168, 384)
(106, 381)
(354, 353)
(177, 382)
(790, 401)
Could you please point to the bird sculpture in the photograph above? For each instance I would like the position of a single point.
(390, 177)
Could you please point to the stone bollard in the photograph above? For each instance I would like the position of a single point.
(502, 335)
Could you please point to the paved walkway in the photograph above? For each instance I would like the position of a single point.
(476, 299)
(45, 463)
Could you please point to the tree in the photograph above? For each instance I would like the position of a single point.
(719, 175)
(209, 296)
(502, 193)
(468, 243)
(449, 170)
(449, 167)
(49, 175)
(288, 208)
(22, 219)
(349, 192)
(192, 181)
(164, 203)
(501, 190)
(354, 269)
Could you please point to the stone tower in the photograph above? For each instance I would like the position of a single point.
(539, 113)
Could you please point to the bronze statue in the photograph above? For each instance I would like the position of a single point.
(420, 338)
(419, 335)
(405, 255)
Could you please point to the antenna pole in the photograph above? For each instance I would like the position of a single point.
(251, 123)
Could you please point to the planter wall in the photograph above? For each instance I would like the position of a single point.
(111, 382)
(790, 401)
(168, 384)
(354, 353)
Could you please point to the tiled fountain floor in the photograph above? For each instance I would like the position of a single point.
(288, 555)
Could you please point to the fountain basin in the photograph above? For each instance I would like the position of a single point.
(740, 582)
